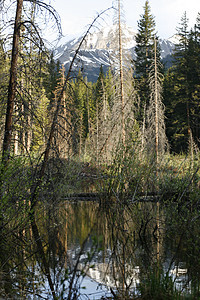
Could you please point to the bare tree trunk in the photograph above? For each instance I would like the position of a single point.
(143, 128)
(97, 118)
(29, 133)
(12, 84)
(156, 101)
(16, 135)
(16, 143)
(29, 118)
(156, 137)
(121, 74)
(190, 135)
(158, 232)
(81, 139)
(64, 112)
(64, 95)
(22, 122)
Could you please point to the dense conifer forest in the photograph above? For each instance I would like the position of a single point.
(133, 134)
(89, 110)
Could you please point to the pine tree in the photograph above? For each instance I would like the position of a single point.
(80, 112)
(193, 62)
(144, 42)
(144, 56)
(181, 62)
(51, 79)
(180, 86)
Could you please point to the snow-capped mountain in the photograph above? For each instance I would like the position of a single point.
(99, 49)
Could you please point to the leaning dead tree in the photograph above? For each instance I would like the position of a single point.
(19, 25)
(56, 114)
(124, 97)
(12, 83)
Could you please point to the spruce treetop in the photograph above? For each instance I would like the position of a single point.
(145, 41)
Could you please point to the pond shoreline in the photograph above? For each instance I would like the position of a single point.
(125, 197)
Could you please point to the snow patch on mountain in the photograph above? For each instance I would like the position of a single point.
(100, 48)
(106, 38)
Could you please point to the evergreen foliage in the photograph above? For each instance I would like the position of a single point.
(144, 54)
(181, 91)
(144, 42)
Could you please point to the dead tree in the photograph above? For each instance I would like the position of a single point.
(156, 140)
(12, 84)
(121, 74)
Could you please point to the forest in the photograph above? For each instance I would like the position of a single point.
(129, 142)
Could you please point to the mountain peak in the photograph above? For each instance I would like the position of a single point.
(98, 47)
(105, 38)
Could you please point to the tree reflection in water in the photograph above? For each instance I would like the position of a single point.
(121, 251)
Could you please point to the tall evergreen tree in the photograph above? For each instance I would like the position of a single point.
(144, 54)
(51, 79)
(181, 88)
(80, 111)
(193, 78)
(176, 89)
(144, 42)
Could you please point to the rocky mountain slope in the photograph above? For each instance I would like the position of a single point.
(100, 48)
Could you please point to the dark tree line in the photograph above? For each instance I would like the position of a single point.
(180, 82)
(181, 89)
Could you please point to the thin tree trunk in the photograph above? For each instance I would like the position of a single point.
(189, 132)
(16, 143)
(158, 232)
(23, 120)
(29, 133)
(97, 145)
(12, 84)
(156, 101)
(29, 118)
(16, 135)
(143, 128)
(121, 74)
(64, 112)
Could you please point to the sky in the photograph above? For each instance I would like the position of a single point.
(76, 15)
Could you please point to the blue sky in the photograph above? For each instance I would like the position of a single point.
(77, 14)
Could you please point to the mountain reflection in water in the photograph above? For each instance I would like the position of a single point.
(95, 252)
